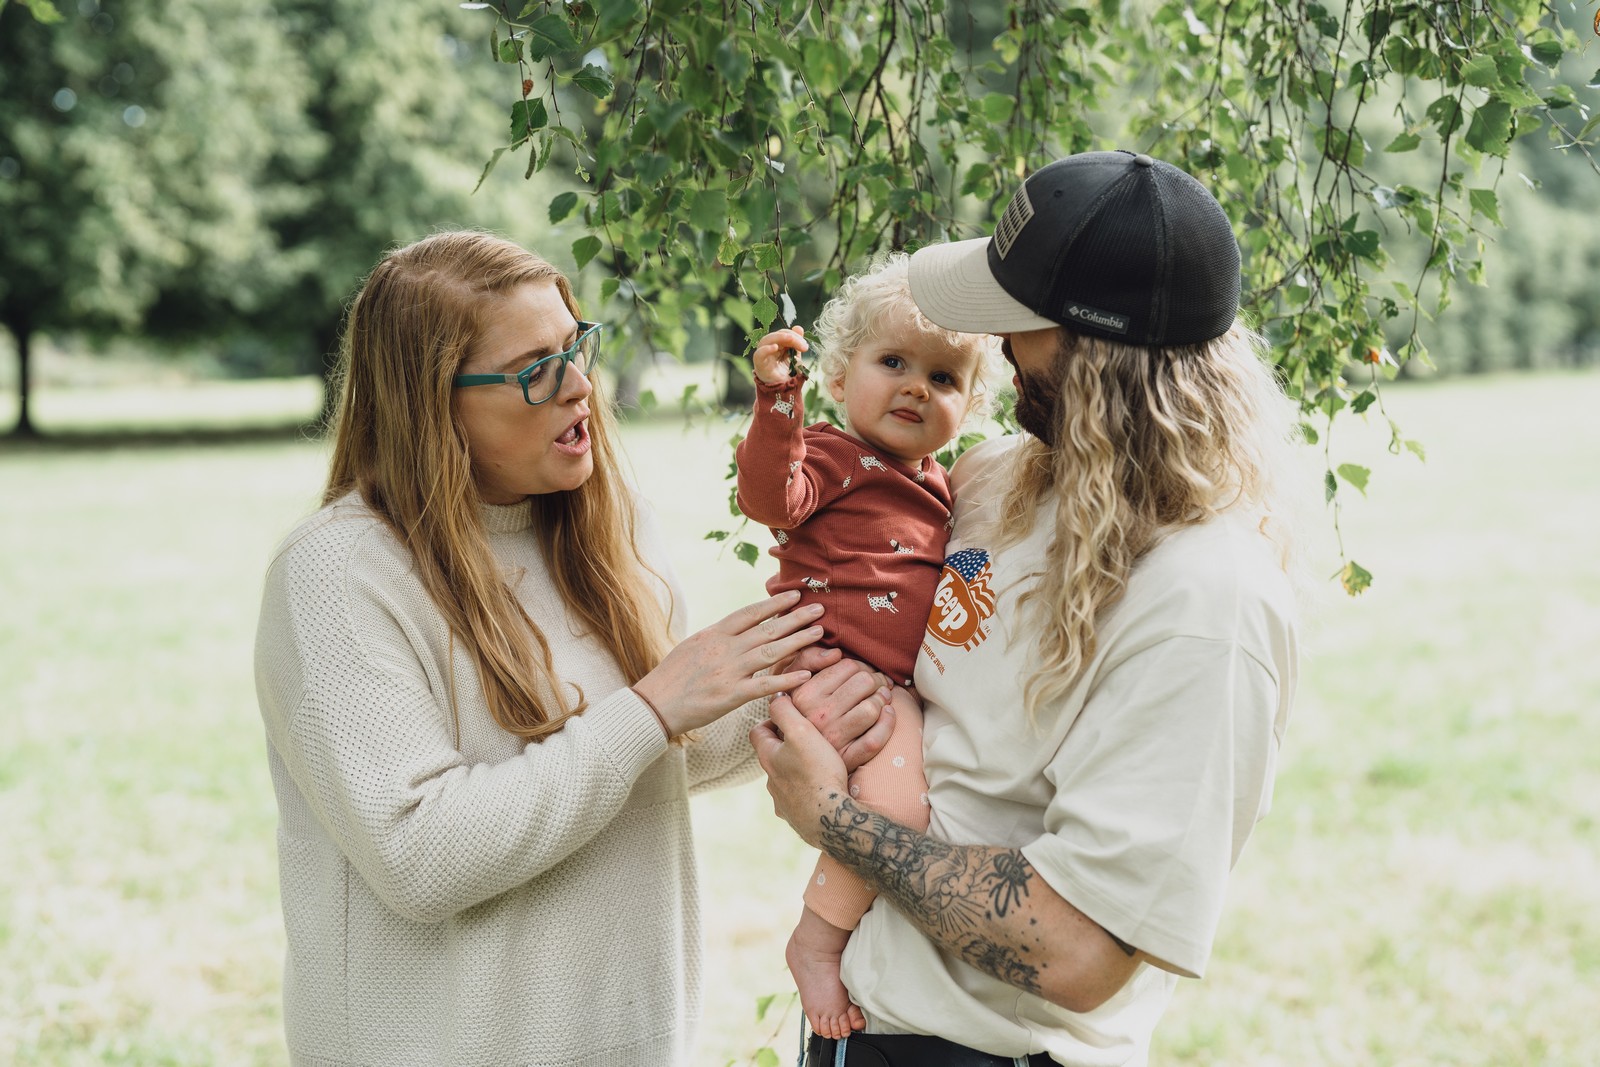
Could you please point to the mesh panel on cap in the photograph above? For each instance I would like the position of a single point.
(1102, 269)
(1204, 262)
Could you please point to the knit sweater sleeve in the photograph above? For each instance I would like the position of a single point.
(723, 756)
(353, 712)
(781, 482)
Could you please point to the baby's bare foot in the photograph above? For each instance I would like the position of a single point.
(813, 956)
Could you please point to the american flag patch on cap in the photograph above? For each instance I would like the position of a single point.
(1016, 216)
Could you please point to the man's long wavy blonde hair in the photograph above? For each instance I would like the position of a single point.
(398, 444)
(1149, 440)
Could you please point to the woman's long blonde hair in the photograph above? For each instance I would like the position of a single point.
(1148, 440)
(397, 443)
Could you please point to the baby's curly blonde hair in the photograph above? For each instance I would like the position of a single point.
(860, 311)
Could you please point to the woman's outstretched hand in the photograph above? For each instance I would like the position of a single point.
(714, 671)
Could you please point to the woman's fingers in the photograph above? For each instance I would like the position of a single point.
(772, 684)
(753, 615)
(766, 654)
(815, 658)
(774, 630)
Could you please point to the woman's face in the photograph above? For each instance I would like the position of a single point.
(520, 450)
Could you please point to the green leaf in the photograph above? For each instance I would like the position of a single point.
(764, 255)
(762, 1004)
(584, 249)
(487, 167)
(1490, 130)
(1417, 450)
(1355, 578)
(43, 11)
(764, 312)
(1593, 82)
(732, 61)
(526, 117)
(1485, 203)
(650, 169)
(510, 50)
(709, 210)
(1355, 475)
(1365, 244)
(1480, 71)
(1547, 52)
(1446, 115)
(614, 15)
(998, 107)
(750, 554)
(550, 33)
(1385, 197)
(666, 114)
(596, 81)
(1363, 401)
(1330, 486)
(1405, 142)
(1340, 146)
(562, 206)
(765, 1057)
(608, 289)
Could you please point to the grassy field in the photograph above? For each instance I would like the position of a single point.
(1423, 892)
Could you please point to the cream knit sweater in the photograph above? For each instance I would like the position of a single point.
(487, 903)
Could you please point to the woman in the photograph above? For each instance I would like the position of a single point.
(484, 844)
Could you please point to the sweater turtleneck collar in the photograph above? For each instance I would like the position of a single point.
(506, 518)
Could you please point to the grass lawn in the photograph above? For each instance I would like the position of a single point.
(1423, 892)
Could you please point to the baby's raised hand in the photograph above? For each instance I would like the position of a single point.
(773, 354)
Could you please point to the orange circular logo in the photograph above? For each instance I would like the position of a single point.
(962, 601)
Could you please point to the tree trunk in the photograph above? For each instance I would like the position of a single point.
(627, 383)
(24, 426)
(738, 389)
(327, 353)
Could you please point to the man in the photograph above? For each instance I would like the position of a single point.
(1109, 662)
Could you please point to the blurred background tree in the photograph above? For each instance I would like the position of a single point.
(226, 172)
(135, 159)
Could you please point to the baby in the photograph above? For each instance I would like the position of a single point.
(861, 519)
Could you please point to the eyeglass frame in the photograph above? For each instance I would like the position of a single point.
(522, 377)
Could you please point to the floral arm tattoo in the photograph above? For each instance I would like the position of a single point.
(954, 893)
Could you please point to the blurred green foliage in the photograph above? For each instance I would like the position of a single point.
(730, 154)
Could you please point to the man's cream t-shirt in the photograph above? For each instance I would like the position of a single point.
(1131, 796)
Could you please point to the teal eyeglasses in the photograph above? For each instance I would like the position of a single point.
(541, 380)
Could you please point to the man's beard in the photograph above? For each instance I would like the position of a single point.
(1037, 402)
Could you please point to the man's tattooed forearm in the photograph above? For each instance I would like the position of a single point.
(1007, 879)
(939, 886)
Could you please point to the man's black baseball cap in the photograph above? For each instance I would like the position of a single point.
(1112, 244)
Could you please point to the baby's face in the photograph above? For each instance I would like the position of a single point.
(907, 393)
